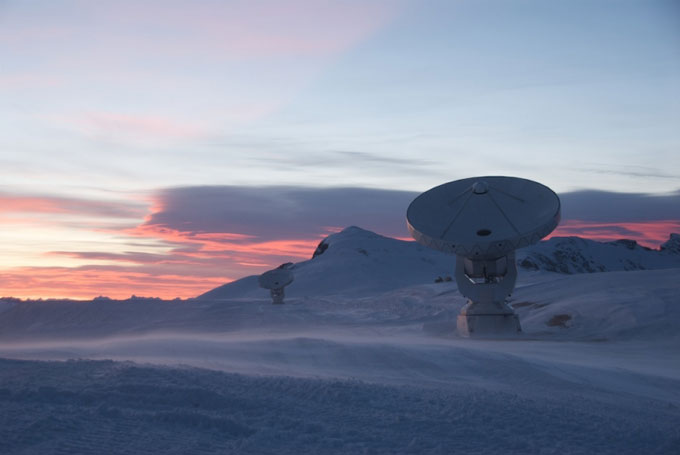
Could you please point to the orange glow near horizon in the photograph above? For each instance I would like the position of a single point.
(86, 284)
(169, 263)
(186, 265)
(209, 244)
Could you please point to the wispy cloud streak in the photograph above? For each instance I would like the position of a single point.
(40, 204)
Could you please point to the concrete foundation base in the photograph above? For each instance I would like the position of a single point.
(277, 296)
(488, 325)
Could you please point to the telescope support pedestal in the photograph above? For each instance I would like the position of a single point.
(487, 284)
(277, 295)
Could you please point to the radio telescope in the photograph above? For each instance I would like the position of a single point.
(275, 280)
(482, 220)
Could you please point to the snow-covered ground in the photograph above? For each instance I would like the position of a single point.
(375, 369)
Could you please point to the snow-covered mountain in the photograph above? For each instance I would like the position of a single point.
(356, 261)
(352, 262)
(578, 255)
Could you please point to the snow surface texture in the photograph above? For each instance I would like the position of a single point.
(375, 369)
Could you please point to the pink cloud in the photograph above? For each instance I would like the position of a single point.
(247, 29)
(140, 127)
(130, 126)
(11, 204)
(212, 244)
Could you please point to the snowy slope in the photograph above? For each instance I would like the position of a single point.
(93, 407)
(602, 306)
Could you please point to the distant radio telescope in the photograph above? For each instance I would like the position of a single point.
(482, 220)
(275, 280)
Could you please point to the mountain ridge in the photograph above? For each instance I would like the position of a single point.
(354, 261)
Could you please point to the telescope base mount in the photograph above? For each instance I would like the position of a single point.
(486, 313)
(277, 296)
(487, 321)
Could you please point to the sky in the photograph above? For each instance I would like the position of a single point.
(162, 148)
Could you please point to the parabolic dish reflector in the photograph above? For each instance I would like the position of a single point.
(483, 217)
(275, 279)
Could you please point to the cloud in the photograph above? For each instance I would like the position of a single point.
(288, 212)
(645, 172)
(320, 164)
(26, 204)
(279, 212)
(380, 160)
(592, 205)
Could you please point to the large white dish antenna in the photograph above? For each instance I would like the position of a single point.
(484, 217)
(482, 220)
(275, 280)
